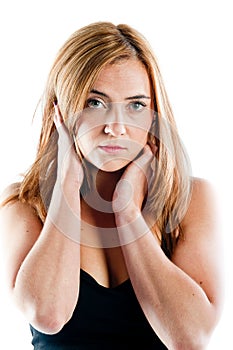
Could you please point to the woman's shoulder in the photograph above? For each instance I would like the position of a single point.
(202, 191)
(201, 184)
(12, 208)
(9, 191)
(203, 201)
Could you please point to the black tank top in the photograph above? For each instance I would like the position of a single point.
(104, 319)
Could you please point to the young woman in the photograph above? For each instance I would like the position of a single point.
(108, 240)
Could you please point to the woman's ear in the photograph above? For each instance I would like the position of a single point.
(152, 140)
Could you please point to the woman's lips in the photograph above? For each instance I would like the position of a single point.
(112, 148)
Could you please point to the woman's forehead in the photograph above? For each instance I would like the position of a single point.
(125, 78)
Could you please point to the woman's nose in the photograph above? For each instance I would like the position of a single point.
(115, 125)
(115, 129)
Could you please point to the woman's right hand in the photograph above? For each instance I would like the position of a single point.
(64, 208)
(70, 172)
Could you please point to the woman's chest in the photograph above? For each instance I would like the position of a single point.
(105, 265)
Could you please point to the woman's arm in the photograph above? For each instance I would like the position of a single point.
(41, 264)
(181, 298)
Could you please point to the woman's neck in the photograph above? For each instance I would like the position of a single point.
(105, 183)
(102, 185)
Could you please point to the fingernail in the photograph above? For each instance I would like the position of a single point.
(55, 105)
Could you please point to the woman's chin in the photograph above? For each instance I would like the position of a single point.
(110, 166)
(113, 166)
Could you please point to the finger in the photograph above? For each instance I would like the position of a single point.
(58, 120)
(64, 141)
(76, 146)
(60, 124)
(123, 195)
(146, 163)
(146, 157)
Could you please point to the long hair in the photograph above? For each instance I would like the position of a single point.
(71, 77)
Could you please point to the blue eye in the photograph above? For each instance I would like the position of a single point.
(137, 106)
(94, 103)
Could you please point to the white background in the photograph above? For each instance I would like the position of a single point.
(193, 43)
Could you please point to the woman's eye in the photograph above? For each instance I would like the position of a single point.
(137, 106)
(94, 103)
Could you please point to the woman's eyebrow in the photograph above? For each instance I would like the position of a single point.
(135, 97)
(94, 91)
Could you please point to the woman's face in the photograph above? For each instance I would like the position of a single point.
(113, 128)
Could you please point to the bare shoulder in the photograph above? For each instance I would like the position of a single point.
(15, 207)
(203, 205)
(9, 191)
(15, 213)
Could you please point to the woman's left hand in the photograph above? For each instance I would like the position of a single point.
(133, 186)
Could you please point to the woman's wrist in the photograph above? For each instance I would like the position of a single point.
(65, 198)
(126, 216)
(131, 226)
(64, 212)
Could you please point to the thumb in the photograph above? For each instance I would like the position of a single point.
(145, 159)
(58, 119)
(123, 195)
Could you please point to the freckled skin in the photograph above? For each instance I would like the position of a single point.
(129, 127)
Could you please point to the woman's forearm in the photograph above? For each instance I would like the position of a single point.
(47, 284)
(175, 305)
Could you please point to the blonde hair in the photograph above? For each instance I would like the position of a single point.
(72, 75)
